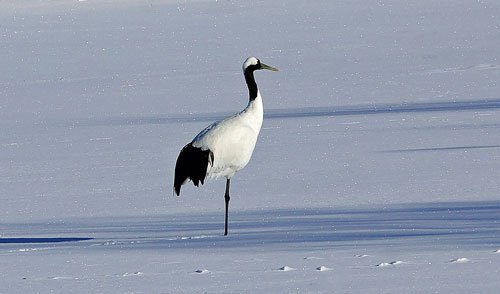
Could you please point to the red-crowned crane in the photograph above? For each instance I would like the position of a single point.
(224, 147)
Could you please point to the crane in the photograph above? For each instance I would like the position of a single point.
(226, 146)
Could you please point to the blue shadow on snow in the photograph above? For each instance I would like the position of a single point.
(321, 111)
(40, 240)
(418, 225)
(441, 224)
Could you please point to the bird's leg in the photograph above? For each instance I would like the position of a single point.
(226, 198)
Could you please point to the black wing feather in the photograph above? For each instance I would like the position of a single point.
(191, 164)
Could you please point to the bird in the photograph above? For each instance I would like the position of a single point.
(226, 146)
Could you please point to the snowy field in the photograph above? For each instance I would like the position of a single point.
(377, 169)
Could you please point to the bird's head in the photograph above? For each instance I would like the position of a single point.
(253, 63)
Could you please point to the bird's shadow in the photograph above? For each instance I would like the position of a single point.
(457, 224)
(298, 112)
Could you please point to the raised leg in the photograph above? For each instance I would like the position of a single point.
(226, 198)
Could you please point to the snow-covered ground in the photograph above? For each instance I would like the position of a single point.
(377, 169)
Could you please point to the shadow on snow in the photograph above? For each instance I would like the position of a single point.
(442, 148)
(325, 111)
(40, 240)
(436, 225)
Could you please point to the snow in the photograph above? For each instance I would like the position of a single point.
(376, 169)
(286, 268)
(396, 262)
(323, 268)
(460, 260)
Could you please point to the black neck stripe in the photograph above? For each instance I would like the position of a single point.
(252, 85)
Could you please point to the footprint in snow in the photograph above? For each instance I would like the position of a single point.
(361, 255)
(286, 268)
(312, 258)
(106, 243)
(182, 238)
(30, 249)
(323, 268)
(132, 274)
(126, 274)
(62, 278)
(384, 264)
(460, 260)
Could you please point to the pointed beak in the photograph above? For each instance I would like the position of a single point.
(265, 66)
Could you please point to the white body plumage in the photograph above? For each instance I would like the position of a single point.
(232, 140)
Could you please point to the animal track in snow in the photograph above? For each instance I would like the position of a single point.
(30, 249)
(126, 274)
(460, 260)
(132, 274)
(286, 268)
(323, 268)
(384, 264)
(108, 243)
(119, 243)
(188, 238)
(351, 123)
(361, 255)
(62, 278)
(312, 258)
(193, 237)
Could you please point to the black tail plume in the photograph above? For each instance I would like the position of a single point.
(191, 165)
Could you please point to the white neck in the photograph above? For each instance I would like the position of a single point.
(254, 112)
